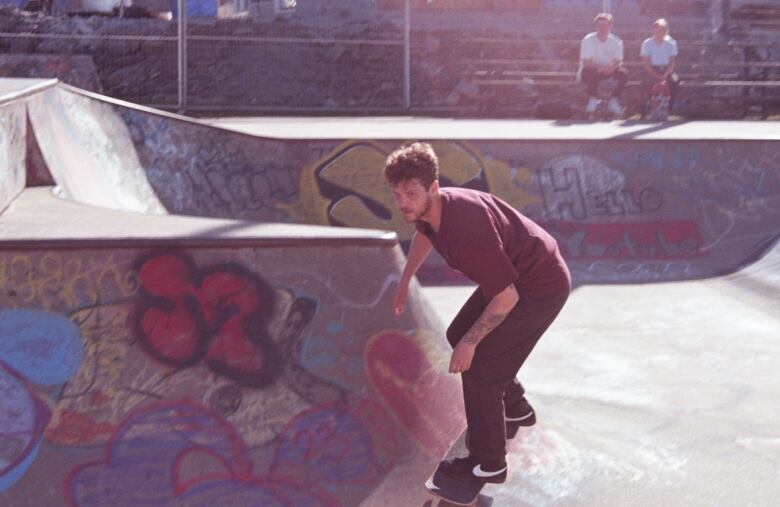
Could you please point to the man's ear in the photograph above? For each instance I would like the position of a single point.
(434, 186)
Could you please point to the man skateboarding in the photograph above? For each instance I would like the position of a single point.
(523, 284)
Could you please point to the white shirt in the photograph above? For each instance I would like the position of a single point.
(600, 52)
(659, 53)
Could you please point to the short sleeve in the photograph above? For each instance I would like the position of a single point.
(584, 53)
(620, 50)
(674, 51)
(482, 258)
(645, 50)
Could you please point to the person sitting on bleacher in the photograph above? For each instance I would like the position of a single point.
(658, 55)
(601, 57)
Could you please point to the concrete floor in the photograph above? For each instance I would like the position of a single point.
(662, 395)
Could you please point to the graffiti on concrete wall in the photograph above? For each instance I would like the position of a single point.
(55, 283)
(38, 349)
(152, 368)
(735, 195)
(198, 170)
(641, 213)
(628, 241)
(610, 231)
(346, 186)
(188, 455)
(220, 334)
(335, 446)
(184, 455)
(411, 387)
(218, 315)
(578, 187)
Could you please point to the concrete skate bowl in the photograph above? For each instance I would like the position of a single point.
(168, 321)
(625, 209)
(151, 359)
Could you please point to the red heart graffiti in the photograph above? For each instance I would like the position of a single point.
(217, 315)
(427, 403)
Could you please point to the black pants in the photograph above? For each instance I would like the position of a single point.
(647, 84)
(490, 384)
(591, 78)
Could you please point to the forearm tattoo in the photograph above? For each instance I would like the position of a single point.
(482, 327)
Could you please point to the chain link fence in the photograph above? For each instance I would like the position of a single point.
(461, 57)
(226, 55)
(278, 56)
(271, 61)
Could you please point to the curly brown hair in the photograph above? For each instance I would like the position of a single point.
(416, 160)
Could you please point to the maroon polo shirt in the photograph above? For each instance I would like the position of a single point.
(495, 245)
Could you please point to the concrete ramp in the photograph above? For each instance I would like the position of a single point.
(13, 135)
(156, 359)
(180, 361)
(89, 152)
(628, 203)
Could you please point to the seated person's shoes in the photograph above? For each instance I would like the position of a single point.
(468, 469)
(615, 108)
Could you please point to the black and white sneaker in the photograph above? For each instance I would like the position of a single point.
(521, 414)
(468, 469)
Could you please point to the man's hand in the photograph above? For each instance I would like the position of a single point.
(609, 69)
(399, 300)
(462, 356)
(606, 70)
(420, 248)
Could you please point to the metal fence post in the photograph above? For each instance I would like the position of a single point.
(407, 57)
(182, 56)
(724, 17)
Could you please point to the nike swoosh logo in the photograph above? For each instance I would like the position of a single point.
(516, 419)
(481, 473)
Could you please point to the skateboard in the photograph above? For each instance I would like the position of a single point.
(660, 94)
(454, 492)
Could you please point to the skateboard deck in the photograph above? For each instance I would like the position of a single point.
(659, 102)
(455, 492)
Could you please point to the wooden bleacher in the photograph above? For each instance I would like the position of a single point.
(517, 84)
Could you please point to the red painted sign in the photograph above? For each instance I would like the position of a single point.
(640, 240)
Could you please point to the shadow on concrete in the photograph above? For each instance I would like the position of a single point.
(651, 127)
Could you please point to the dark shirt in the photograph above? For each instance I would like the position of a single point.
(495, 245)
